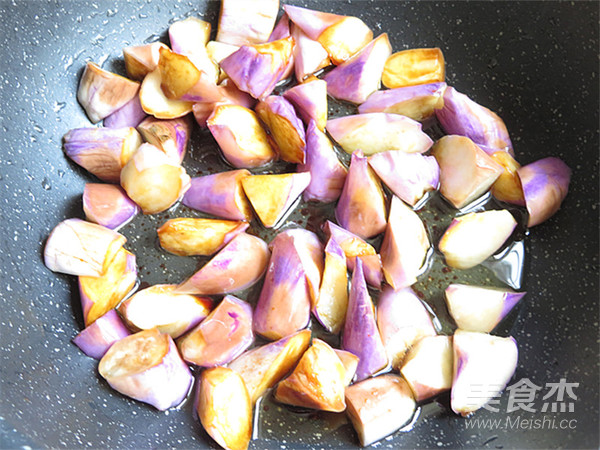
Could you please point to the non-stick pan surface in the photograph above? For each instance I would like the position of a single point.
(535, 63)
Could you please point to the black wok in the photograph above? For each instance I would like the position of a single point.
(535, 63)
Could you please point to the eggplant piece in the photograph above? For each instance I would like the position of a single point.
(160, 307)
(182, 80)
(341, 36)
(310, 251)
(360, 76)
(402, 321)
(156, 103)
(507, 187)
(224, 408)
(483, 366)
(101, 93)
(108, 205)
(428, 367)
(153, 180)
(416, 102)
(262, 367)
(408, 175)
(461, 115)
(77, 247)
(102, 151)
(466, 171)
(171, 136)
(361, 208)
(350, 362)
(96, 339)
(240, 136)
(310, 101)
(189, 37)
(472, 238)
(220, 337)
(404, 247)
(285, 127)
(317, 382)
(220, 194)
(189, 237)
(354, 247)
(271, 196)
(311, 22)
(361, 336)
(240, 264)
(379, 406)
(378, 132)
(332, 302)
(140, 60)
(309, 55)
(477, 308)
(413, 67)
(256, 69)
(244, 23)
(146, 366)
(99, 295)
(128, 115)
(545, 186)
(285, 299)
(327, 173)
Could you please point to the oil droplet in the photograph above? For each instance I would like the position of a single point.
(152, 38)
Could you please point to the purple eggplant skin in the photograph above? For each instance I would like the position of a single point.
(327, 173)
(239, 265)
(102, 151)
(171, 136)
(310, 250)
(282, 31)
(284, 303)
(361, 336)
(417, 102)
(221, 337)
(545, 185)
(360, 76)
(371, 268)
(128, 115)
(220, 194)
(96, 339)
(361, 208)
(279, 115)
(408, 175)
(108, 205)
(310, 101)
(461, 115)
(257, 69)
